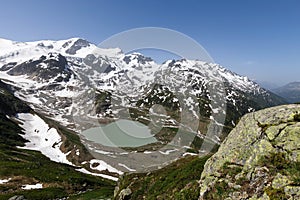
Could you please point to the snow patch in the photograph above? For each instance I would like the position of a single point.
(190, 154)
(4, 181)
(31, 187)
(129, 169)
(101, 166)
(82, 170)
(103, 152)
(42, 138)
(168, 151)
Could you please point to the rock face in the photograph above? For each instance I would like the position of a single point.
(260, 158)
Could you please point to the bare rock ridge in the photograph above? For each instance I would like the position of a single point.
(260, 158)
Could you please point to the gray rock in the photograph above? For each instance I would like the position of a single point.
(80, 43)
(125, 194)
(17, 198)
(264, 145)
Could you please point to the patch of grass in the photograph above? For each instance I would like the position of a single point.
(221, 188)
(231, 169)
(276, 194)
(102, 101)
(9, 104)
(39, 194)
(278, 163)
(9, 132)
(31, 167)
(34, 167)
(175, 181)
(93, 195)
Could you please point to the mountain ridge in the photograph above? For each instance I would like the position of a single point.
(290, 91)
(79, 85)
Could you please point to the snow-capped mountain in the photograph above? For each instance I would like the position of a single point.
(23, 129)
(80, 85)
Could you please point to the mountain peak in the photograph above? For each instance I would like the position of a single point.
(138, 57)
(80, 85)
(76, 46)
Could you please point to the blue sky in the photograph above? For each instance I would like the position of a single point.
(257, 38)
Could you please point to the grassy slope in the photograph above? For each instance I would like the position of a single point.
(59, 180)
(179, 180)
(31, 167)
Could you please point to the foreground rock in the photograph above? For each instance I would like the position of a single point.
(260, 159)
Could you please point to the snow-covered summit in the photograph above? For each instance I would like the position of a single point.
(11, 51)
(47, 70)
(80, 85)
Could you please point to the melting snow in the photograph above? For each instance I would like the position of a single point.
(103, 166)
(82, 170)
(103, 152)
(191, 154)
(42, 138)
(168, 151)
(4, 181)
(129, 169)
(30, 187)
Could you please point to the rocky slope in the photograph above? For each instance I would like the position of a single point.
(72, 84)
(178, 180)
(34, 156)
(81, 86)
(260, 158)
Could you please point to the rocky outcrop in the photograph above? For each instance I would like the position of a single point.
(79, 44)
(125, 194)
(17, 198)
(9, 104)
(52, 66)
(260, 158)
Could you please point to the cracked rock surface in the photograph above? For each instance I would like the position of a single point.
(260, 158)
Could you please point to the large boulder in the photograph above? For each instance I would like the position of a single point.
(260, 158)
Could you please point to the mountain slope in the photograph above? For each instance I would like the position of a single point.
(178, 180)
(22, 168)
(81, 86)
(260, 159)
(290, 91)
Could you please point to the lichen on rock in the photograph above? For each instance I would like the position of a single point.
(260, 158)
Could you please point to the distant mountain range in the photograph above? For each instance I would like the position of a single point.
(268, 85)
(51, 91)
(290, 91)
(79, 85)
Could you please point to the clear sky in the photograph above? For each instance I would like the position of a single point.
(257, 38)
